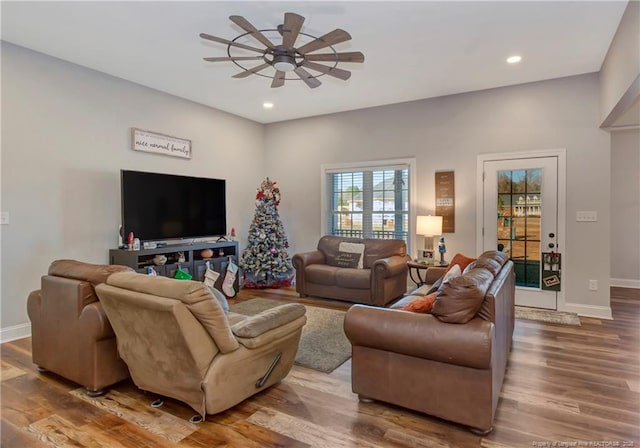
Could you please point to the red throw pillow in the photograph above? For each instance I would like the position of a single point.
(461, 261)
(421, 304)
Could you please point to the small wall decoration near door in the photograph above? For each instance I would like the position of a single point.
(153, 142)
(445, 200)
(551, 271)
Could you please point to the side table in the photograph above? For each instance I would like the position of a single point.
(416, 267)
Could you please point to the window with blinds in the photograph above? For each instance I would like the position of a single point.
(369, 202)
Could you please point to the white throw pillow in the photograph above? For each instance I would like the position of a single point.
(354, 248)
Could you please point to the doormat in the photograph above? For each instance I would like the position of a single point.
(551, 316)
(323, 345)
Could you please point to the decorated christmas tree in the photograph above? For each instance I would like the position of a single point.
(265, 261)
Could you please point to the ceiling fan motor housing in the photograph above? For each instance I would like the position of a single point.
(284, 62)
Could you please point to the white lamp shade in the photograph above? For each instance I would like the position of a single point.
(429, 225)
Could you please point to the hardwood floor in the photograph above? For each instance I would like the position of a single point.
(576, 386)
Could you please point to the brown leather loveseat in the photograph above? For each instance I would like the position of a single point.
(70, 333)
(381, 278)
(451, 363)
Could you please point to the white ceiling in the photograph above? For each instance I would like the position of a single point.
(413, 50)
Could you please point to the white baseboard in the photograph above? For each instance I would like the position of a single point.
(600, 312)
(625, 283)
(15, 332)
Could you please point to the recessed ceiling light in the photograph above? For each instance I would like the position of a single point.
(267, 105)
(514, 59)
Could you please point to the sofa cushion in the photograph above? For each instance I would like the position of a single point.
(492, 260)
(459, 300)
(345, 260)
(353, 278)
(322, 274)
(420, 304)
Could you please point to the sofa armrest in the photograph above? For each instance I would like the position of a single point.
(94, 323)
(269, 325)
(306, 258)
(391, 266)
(34, 302)
(421, 335)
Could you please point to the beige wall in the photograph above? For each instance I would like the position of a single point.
(625, 208)
(65, 137)
(619, 75)
(449, 133)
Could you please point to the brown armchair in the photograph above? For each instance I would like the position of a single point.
(178, 341)
(70, 333)
(382, 278)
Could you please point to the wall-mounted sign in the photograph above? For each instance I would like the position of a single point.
(160, 144)
(445, 200)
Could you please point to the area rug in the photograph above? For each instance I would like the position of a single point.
(323, 345)
(554, 317)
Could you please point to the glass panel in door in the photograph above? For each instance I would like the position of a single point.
(519, 215)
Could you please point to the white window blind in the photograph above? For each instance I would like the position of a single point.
(368, 201)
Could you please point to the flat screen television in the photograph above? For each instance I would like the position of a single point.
(166, 206)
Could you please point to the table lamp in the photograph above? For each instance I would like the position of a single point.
(429, 226)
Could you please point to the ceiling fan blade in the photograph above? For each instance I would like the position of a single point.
(252, 30)
(278, 80)
(292, 25)
(332, 38)
(251, 71)
(233, 58)
(228, 42)
(307, 78)
(331, 71)
(355, 56)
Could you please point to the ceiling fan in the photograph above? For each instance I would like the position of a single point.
(285, 57)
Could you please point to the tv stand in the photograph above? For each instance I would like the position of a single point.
(194, 264)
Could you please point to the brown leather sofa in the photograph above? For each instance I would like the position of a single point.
(382, 279)
(178, 341)
(70, 333)
(451, 363)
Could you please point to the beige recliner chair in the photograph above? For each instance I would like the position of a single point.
(70, 333)
(178, 342)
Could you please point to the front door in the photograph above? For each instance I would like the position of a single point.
(520, 218)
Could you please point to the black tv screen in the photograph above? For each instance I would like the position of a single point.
(165, 206)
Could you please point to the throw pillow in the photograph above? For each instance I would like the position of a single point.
(421, 304)
(461, 261)
(356, 248)
(459, 300)
(345, 260)
(453, 272)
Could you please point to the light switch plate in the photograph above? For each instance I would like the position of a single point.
(587, 216)
(4, 218)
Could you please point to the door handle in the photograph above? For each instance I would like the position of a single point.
(551, 245)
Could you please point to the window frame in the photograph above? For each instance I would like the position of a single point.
(408, 163)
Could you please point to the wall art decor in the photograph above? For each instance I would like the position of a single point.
(445, 200)
(156, 143)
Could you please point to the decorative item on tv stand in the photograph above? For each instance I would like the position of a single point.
(430, 227)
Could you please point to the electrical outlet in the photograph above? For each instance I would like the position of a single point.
(4, 218)
(593, 285)
(589, 216)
